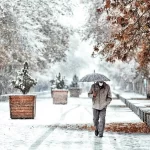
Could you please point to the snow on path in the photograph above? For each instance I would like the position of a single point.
(40, 134)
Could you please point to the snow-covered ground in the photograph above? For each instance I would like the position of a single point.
(45, 132)
(77, 111)
(130, 95)
(34, 138)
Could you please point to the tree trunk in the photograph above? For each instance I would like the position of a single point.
(148, 88)
(1, 88)
(130, 86)
(140, 86)
(135, 87)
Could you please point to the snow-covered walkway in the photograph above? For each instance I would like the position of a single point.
(77, 111)
(44, 138)
(45, 132)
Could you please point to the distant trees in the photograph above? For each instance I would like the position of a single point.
(124, 76)
(75, 81)
(74, 61)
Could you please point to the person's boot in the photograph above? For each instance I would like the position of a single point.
(100, 135)
(96, 132)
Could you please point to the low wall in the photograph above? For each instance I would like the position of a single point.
(139, 105)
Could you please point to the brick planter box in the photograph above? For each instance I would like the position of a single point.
(22, 106)
(74, 92)
(60, 96)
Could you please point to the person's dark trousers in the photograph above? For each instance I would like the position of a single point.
(99, 120)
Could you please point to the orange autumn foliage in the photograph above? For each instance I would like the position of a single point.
(130, 24)
(107, 4)
(121, 127)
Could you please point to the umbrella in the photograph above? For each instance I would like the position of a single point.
(94, 77)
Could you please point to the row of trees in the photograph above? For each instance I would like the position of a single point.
(124, 76)
(128, 34)
(33, 34)
(32, 31)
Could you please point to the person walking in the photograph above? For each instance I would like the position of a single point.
(100, 93)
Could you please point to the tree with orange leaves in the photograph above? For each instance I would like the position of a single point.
(130, 21)
(130, 33)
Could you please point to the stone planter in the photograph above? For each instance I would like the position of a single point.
(74, 92)
(22, 106)
(60, 96)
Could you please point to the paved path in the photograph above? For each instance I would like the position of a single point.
(42, 134)
(77, 111)
(45, 138)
